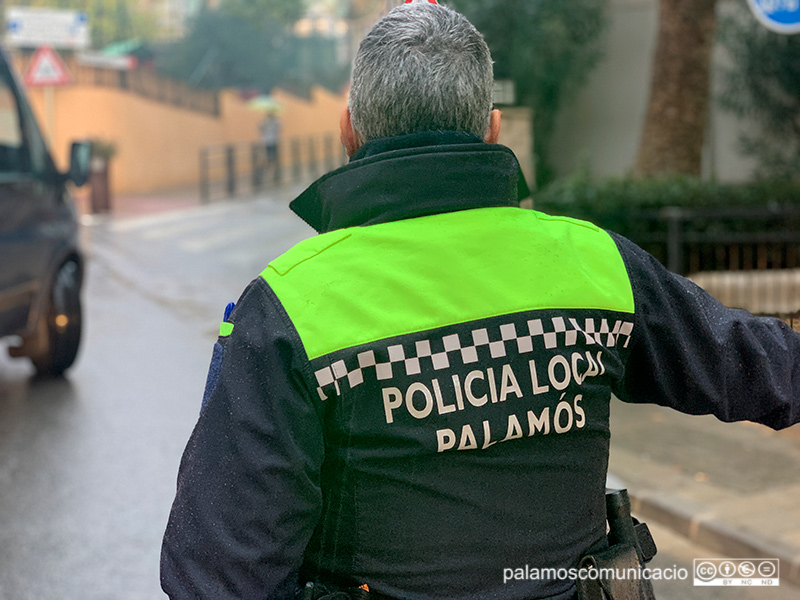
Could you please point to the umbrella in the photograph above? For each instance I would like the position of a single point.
(266, 104)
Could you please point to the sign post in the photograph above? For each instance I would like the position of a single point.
(780, 16)
(46, 70)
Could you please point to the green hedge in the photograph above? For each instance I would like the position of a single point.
(634, 208)
(616, 203)
(581, 194)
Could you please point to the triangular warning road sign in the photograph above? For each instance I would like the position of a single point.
(46, 68)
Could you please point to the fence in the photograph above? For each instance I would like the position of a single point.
(244, 169)
(745, 257)
(141, 81)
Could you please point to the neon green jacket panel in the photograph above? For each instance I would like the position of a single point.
(390, 279)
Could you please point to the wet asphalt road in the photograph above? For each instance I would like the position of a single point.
(88, 463)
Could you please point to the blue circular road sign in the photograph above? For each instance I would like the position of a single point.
(782, 16)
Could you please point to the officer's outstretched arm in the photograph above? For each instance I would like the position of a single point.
(248, 494)
(691, 353)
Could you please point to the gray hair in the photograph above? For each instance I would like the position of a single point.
(422, 67)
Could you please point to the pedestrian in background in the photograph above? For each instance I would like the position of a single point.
(270, 138)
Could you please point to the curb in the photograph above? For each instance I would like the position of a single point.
(168, 205)
(697, 523)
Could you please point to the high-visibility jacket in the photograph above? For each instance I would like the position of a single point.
(417, 399)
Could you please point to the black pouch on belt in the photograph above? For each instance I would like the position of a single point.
(616, 573)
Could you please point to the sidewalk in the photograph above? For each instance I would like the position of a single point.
(128, 205)
(167, 200)
(170, 200)
(731, 487)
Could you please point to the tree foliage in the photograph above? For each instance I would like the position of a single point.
(250, 44)
(547, 48)
(762, 84)
(264, 15)
(223, 50)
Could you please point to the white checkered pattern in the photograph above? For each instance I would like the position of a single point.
(546, 332)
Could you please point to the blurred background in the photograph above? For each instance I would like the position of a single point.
(673, 122)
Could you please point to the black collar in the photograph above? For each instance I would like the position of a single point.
(412, 176)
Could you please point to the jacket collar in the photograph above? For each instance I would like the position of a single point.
(412, 176)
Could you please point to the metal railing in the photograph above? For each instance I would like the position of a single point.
(732, 239)
(244, 169)
(141, 81)
(746, 257)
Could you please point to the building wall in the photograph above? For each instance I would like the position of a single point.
(516, 131)
(601, 129)
(158, 145)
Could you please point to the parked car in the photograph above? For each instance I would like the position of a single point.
(41, 265)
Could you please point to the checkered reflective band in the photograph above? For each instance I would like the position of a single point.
(559, 332)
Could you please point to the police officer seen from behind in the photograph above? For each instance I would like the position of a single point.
(418, 398)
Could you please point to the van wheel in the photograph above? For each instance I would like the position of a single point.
(64, 323)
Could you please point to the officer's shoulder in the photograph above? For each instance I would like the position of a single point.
(579, 238)
(304, 252)
(566, 222)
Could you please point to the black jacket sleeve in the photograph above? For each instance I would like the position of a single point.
(691, 353)
(248, 495)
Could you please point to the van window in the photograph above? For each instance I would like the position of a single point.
(11, 140)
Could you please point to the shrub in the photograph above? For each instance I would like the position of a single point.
(581, 194)
(710, 215)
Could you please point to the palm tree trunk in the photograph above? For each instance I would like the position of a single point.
(672, 138)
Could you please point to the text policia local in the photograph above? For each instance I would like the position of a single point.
(494, 385)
